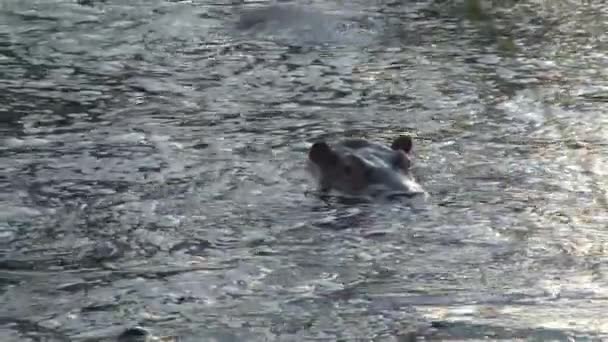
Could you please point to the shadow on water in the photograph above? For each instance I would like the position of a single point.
(153, 175)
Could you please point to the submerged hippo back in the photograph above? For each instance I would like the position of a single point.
(298, 25)
(362, 167)
(277, 17)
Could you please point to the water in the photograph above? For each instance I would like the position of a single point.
(153, 171)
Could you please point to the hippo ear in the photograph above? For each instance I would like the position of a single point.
(320, 153)
(403, 142)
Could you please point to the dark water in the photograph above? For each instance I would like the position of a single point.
(152, 170)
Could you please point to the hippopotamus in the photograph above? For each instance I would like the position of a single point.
(362, 167)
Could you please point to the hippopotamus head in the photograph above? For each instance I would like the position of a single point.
(361, 167)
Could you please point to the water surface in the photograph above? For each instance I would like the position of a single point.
(153, 175)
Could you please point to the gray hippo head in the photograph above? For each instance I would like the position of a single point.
(361, 167)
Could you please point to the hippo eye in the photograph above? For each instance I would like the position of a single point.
(353, 166)
(348, 170)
